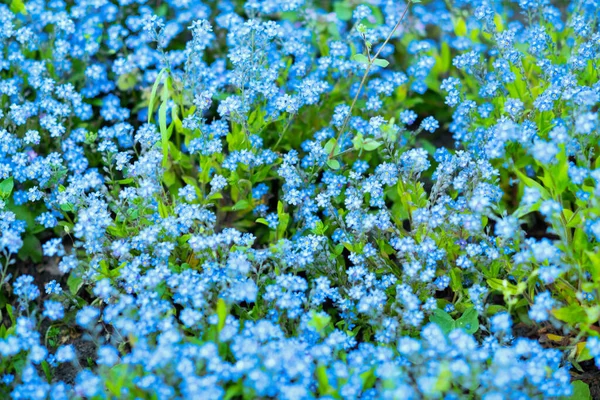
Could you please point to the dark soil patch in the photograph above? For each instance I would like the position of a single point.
(67, 372)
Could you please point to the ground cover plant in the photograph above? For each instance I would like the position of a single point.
(299, 199)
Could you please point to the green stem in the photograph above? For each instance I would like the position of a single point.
(364, 79)
(284, 131)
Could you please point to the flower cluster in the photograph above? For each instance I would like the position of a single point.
(288, 199)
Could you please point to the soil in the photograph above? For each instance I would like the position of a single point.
(43, 273)
(590, 374)
(67, 372)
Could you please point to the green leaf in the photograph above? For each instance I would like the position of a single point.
(31, 249)
(531, 183)
(455, 281)
(343, 10)
(329, 147)
(361, 58)
(493, 309)
(234, 392)
(116, 231)
(369, 379)
(162, 123)
(504, 286)
(118, 376)
(572, 314)
(380, 62)
(153, 94)
(241, 205)
(573, 219)
(595, 259)
(284, 220)
(371, 145)
(320, 228)
(444, 380)
(446, 57)
(170, 177)
(581, 391)
(222, 314)
(357, 141)
(339, 249)
(583, 352)
(163, 210)
(127, 81)
(262, 221)
(11, 314)
(90, 137)
(18, 7)
(325, 388)
(46, 368)
(559, 172)
(460, 27)
(67, 207)
(6, 187)
(333, 164)
(524, 210)
(74, 283)
(468, 321)
(443, 320)
(319, 321)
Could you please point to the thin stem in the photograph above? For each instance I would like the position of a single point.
(284, 131)
(364, 79)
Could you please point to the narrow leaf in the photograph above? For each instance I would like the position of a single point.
(361, 58)
(153, 94)
(381, 62)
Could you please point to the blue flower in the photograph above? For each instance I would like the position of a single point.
(430, 124)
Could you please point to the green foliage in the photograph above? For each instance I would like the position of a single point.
(6, 187)
(468, 321)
